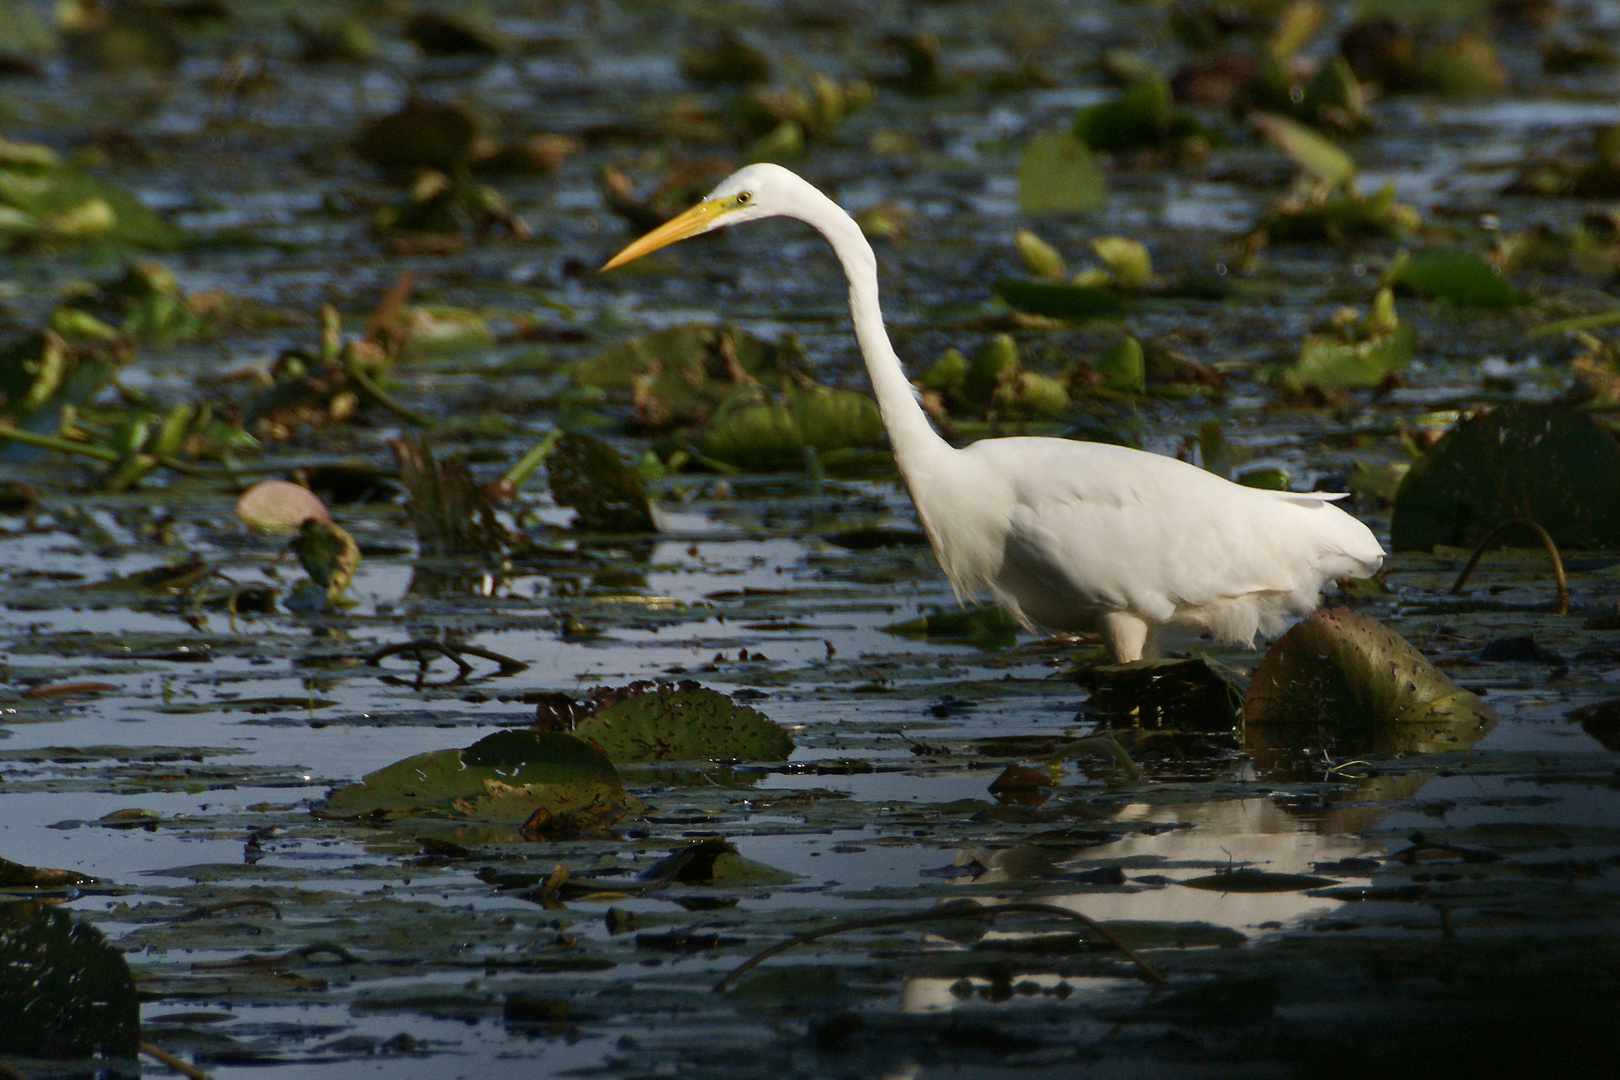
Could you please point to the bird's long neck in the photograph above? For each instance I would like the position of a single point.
(910, 434)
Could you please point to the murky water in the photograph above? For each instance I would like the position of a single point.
(229, 729)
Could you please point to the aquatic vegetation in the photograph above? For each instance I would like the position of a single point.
(1552, 464)
(653, 513)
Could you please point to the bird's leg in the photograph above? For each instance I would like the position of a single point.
(1127, 636)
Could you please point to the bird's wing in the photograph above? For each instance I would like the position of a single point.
(1152, 534)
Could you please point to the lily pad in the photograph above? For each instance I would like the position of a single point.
(605, 493)
(679, 376)
(715, 862)
(774, 434)
(328, 554)
(986, 627)
(1458, 276)
(1359, 686)
(653, 722)
(1314, 153)
(1058, 300)
(504, 778)
(1258, 881)
(1056, 175)
(62, 204)
(1143, 115)
(279, 506)
(64, 992)
(1553, 464)
(1360, 354)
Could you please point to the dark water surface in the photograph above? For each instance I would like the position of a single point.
(1488, 942)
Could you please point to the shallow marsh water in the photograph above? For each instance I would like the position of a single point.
(1464, 907)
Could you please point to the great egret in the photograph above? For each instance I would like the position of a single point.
(1064, 535)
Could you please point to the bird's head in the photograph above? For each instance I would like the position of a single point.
(750, 193)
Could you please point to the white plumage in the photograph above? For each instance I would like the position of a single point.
(1065, 535)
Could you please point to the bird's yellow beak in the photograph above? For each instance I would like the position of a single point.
(696, 220)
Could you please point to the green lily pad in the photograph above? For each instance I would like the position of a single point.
(987, 627)
(607, 494)
(504, 778)
(1143, 115)
(1363, 687)
(1314, 153)
(774, 434)
(1458, 276)
(1338, 216)
(64, 992)
(64, 204)
(1056, 175)
(1058, 300)
(679, 376)
(1123, 366)
(1553, 464)
(1331, 363)
(715, 862)
(649, 722)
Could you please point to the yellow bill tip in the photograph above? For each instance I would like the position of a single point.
(690, 223)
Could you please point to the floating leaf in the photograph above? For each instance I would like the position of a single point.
(1360, 688)
(1056, 300)
(1056, 175)
(278, 506)
(986, 627)
(659, 722)
(328, 554)
(1028, 393)
(422, 134)
(64, 992)
(1337, 216)
(16, 875)
(1140, 116)
(995, 360)
(1331, 363)
(679, 376)
(1553, 464)
(771, 434)
(715, 862)
(1040, 258)
(1458, 276)
(606, 494)
(1127, 260)
(503, 778)
(1257, 881)
(1315, 154)
(64, 204)
(1123, 366)
(1466, 67)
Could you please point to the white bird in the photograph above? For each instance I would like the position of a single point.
(1067, 536)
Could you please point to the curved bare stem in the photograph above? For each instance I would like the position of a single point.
(1552, 554)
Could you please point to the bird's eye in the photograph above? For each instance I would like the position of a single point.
(744, 197)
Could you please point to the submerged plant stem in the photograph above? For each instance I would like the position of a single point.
(966, 910)
(1552, 554)
(1100, 746)
(179, 1065)
(64, 446)
(381, 397)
